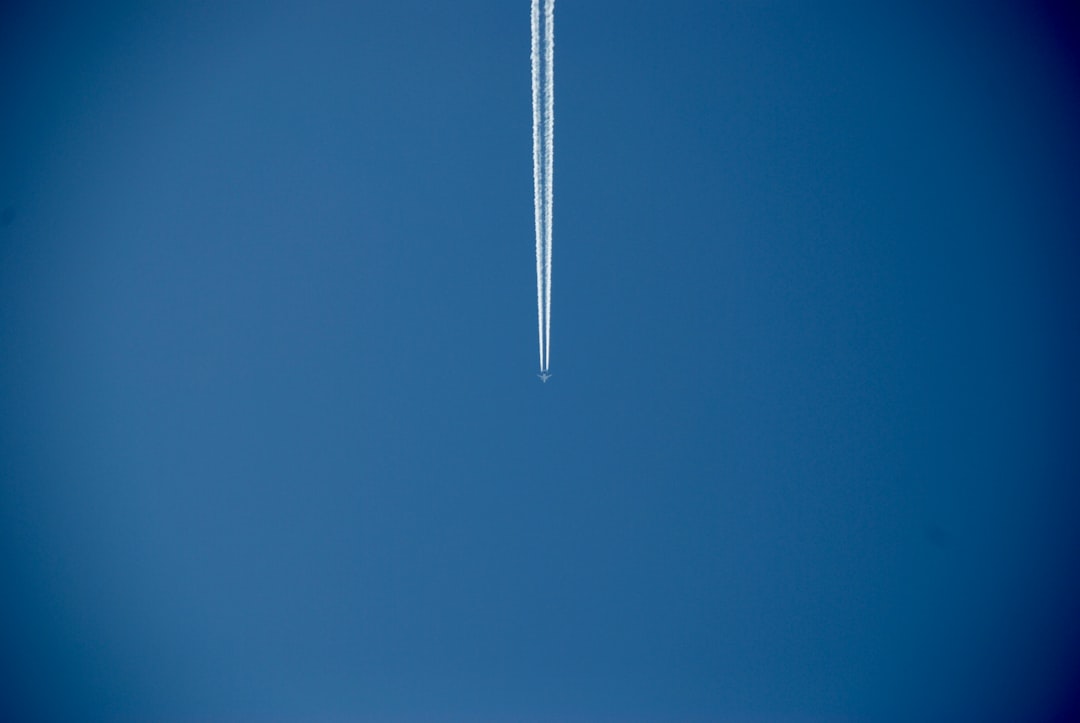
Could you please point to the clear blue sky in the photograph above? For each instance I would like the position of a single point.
(272, 447)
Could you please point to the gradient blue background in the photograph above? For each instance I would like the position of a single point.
(271, 443)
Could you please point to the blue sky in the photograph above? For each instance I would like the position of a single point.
(272, 445)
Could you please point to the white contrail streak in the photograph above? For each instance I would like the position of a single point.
(538, 181)
(543, 97)
(549, 163)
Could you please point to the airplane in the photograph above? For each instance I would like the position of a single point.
(544, 376)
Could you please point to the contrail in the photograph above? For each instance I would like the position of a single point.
(549, 163)
(543, 97)
(538, 181)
